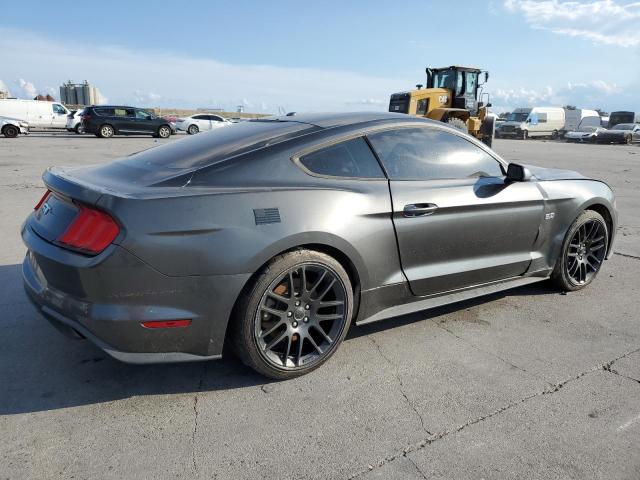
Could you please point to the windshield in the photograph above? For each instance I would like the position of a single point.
(623, 126)
(588, 124)
(445, 79)
(517, 117)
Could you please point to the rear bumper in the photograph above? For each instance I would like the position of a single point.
(106, 298)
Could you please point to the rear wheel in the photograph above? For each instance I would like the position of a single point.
(554, 135)
(457, 123)
(193, 129)
(106, 131)
(79, 129)
(583, 251)
(629, 139)
(524, 135)
(10, 131)
(294, 315)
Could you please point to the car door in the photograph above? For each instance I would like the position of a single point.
(216, 121)
(202, 121)
(144, 121)
(58, 116)
(458, 222)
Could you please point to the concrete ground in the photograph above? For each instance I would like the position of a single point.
(529, 383)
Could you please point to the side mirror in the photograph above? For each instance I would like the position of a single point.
(518, 173)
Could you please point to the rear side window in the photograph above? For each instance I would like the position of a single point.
(352, 158)
(431, 154)
(104, 112)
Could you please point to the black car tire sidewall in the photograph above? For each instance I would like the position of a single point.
(10, 131)
(559, 274)
(245, 344)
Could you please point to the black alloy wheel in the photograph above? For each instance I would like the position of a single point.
(296, 314)
(583, 252)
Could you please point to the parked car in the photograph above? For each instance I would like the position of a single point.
(105, 121)
(532, 122)
(201, 122)
(272, 236)
(11, 127)
(622, 133)
(74, 121)
(587, 130)
(573, 118)
(39, 114)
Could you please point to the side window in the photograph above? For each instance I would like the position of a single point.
(422, 106)
(215, 118)
(431, 154)
(104, 112)
(57, 108)
(122, 112)
(143, 115)
(352, 158)
(200, 117)
(542, 118)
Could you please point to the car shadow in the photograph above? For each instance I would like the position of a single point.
(41, 370)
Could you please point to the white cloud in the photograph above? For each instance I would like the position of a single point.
(592, 94)
(27, 89)
(604, 22)
(166, 79)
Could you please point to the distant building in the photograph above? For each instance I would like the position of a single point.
(4, 95)
(79, 94)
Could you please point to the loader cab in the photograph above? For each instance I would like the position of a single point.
(463, 82)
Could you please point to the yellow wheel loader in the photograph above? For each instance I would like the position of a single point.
(453, 95)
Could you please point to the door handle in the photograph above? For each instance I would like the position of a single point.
(419, 209)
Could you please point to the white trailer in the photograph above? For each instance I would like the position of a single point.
(573, 117)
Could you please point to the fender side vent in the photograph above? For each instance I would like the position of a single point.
(264, 216)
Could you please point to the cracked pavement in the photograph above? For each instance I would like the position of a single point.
(528, 383)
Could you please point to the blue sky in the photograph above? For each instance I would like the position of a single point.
(329, 55)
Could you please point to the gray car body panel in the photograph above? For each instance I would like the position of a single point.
(190, 240)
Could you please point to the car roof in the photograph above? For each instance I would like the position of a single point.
(330, 120)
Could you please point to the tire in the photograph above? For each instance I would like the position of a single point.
(164, 131)
(629, 140)
(583, 250)
(106, 131)
(279, 334)
(457, 123)
(193, 129)
(524, 135)
(10, 131)
(79, 130)
(554, 135)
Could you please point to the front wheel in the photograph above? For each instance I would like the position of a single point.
(554, 135)
(294, 315)
(10, 131)
(193, 129)
(524, 135)
(79, 129)
(629, 140)
(164, 131)
(583, 251)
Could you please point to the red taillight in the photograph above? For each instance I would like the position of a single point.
(166, 323)
(42, 200)
(91, 230)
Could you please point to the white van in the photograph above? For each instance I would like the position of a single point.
(533, 122)
(38, 113)
(573, 117)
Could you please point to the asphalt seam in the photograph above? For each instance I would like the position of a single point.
(635, 257)
(195, 418)
(504, 360)
(416, 467)
(400, 383)
(434, 438)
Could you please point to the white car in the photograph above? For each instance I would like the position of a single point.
(201, 122)
(74, 121)
(11, 127)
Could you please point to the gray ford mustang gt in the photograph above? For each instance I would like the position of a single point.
(270, 237)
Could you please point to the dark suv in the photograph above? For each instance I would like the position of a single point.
(106, 121)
